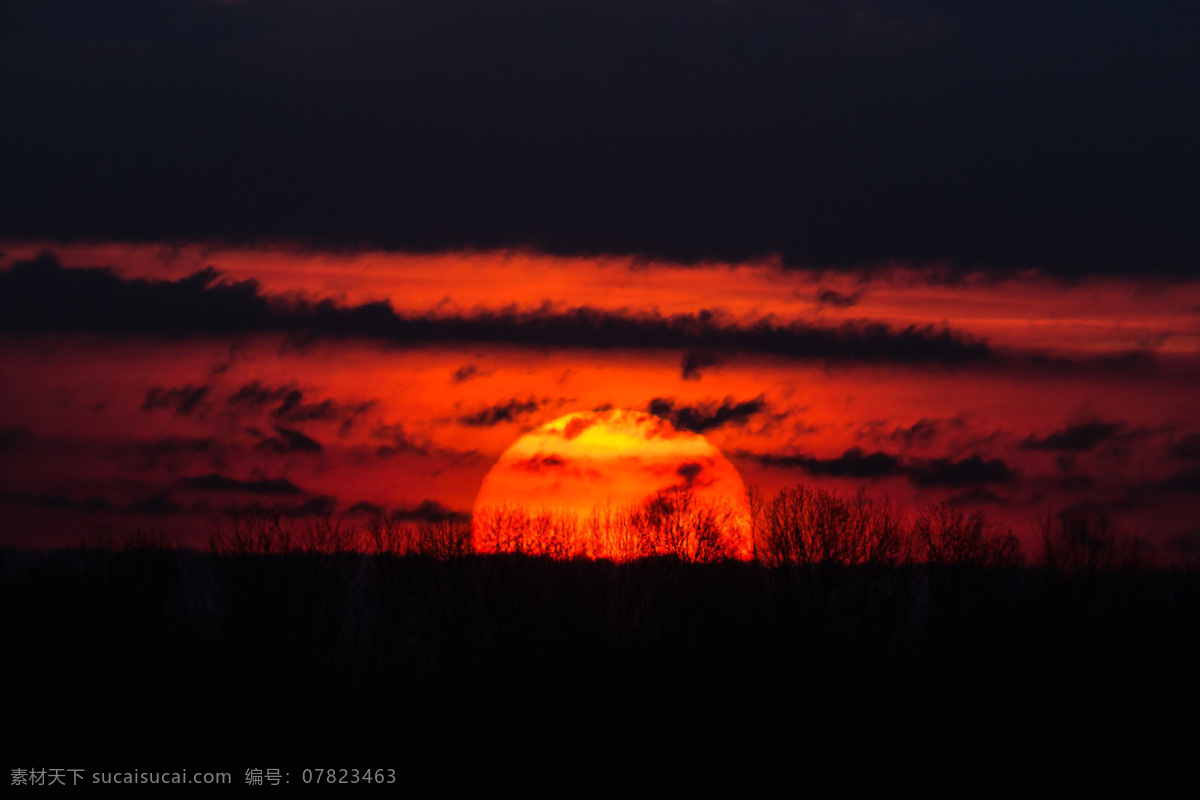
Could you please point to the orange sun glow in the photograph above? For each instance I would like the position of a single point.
(613, 484)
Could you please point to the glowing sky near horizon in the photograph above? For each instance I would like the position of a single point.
(1076, 394)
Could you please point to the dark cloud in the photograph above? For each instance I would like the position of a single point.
(183, 399)
(174, 448)
(1077, 482)
(580, 424)
(255, 395)
(365, 509)
(1187, 482)
(1187, 448)
(554, 466)
(979, 496)
(320, 506)
(925, 431)
(428, 511)
(971, 471)
(60, 502)
(854, 463)
(290, 406)
(540, 464)
(396, 441)
(214, 482)
(466, 373)
(693, 363)
(316, 506)
(707, 415)
(14, 438)
(925, 473)
(41, 295)
(159, 504)
(1077, 438)
(827, 132)
(294, 409)
(289, 441)
(1187, 544)
(690, 472)
(504, 412)
(831, 297)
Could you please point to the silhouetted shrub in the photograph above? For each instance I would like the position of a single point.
(386, 535)
(1075, 542)
(516, 529)
(260, 532)
(676, 522)
(949, 537)
(814, 526)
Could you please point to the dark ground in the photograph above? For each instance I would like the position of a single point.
(164, 656)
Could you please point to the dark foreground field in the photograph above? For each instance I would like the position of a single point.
(153, 655)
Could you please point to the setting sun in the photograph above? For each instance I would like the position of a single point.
(614, 483)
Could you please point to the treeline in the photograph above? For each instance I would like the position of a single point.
(797, 526)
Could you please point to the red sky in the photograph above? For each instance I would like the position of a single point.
(1019, 395)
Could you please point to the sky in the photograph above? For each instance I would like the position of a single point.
(335, 258)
